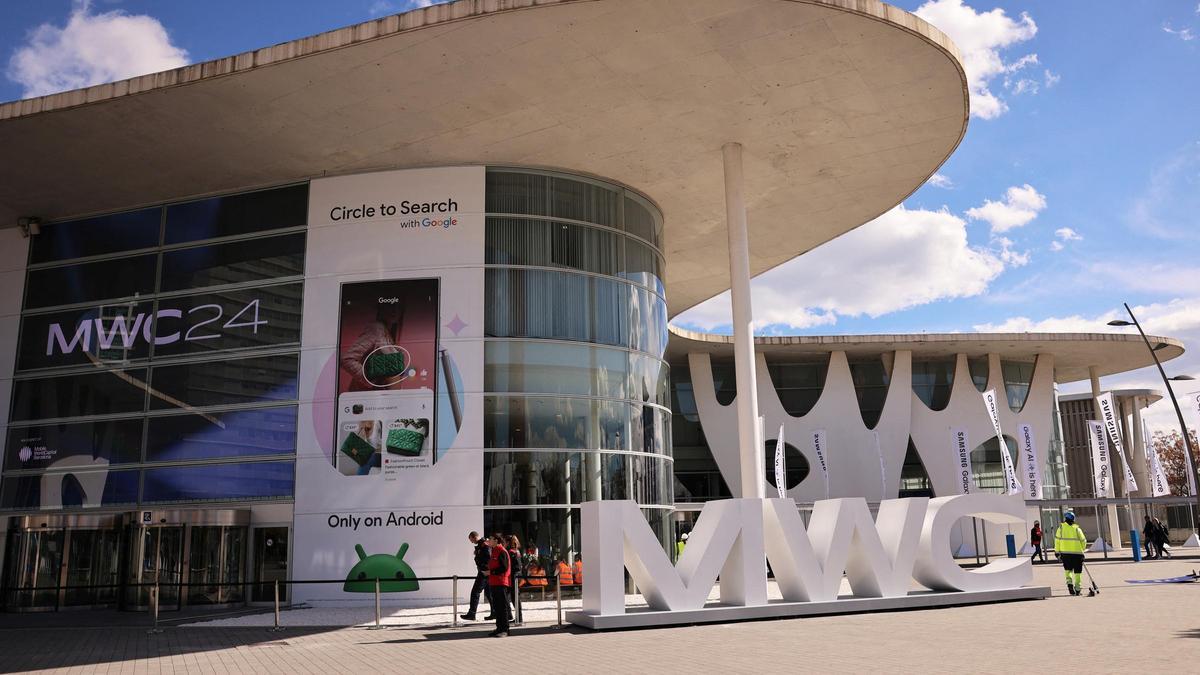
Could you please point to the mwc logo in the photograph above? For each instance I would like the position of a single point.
(125, 331)
(25, 453)
(734, 538)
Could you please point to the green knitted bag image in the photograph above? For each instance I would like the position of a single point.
(357, 449)
(405, 442)
(380, 366)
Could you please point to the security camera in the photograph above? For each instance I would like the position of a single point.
(30, 227)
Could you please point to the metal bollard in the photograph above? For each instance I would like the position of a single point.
(517, 604)
(276, 604)
(154, 607)
(377, 612)
(558, 596)
(454, 591)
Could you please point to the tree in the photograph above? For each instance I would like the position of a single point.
(1173, 454)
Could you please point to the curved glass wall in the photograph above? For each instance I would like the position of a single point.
(987, 464)
(577, 403)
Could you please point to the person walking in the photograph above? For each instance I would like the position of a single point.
(1035, 538)
(1149, 535)
(1160, 538)
(518, 569)
(1069, 544)
(482, 555)
(499, 581)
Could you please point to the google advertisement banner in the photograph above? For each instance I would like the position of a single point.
(389, 477)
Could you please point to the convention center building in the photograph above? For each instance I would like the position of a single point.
(344, 299)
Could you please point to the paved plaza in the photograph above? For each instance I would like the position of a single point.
(1124, 628)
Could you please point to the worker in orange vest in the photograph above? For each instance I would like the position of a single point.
(578, 569)
(566, 577)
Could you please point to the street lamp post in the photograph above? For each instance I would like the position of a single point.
(1187, 440)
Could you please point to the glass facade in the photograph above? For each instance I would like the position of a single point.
(932, 381)
(158, 357)
(578, 395)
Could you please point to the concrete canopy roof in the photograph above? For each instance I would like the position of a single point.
(844, 108)
(1110, 353)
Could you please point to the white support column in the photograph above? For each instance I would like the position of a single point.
(750, 448)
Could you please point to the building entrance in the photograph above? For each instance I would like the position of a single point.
(80, 561)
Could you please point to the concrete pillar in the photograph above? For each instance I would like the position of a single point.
(1137, 447)
(750, 446)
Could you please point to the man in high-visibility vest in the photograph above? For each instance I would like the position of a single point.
(1069, 545)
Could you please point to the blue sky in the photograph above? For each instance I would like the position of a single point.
(1077, 186)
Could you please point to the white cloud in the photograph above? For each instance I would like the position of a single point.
(1050, 78)
(1184, 34)
(1062, 236)
(381, 7)
(1169, 206)
(980, 37)
(1008, 255)
(92, 49)
(1019, 207)
(904, 258)
(939, 181)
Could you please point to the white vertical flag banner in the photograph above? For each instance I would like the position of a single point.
(1032, 464)
(818, 441)
(1158, 478)
(1108, 417)
(1101, 469)
(962, 460)
(780, 465)
(882, 470)
(1013, 486)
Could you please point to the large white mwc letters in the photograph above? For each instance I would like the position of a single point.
(735, 538)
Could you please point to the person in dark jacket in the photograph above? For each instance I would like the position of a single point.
(499, 581)
(482, 555)
(1149, 534)
(1035, 538)
(1161, 537)
(518, 568)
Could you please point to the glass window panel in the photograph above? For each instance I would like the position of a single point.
(239, 433)
(1017, 377)
(871, 381)
(799, 385)
(234, 262)
(650, 430)
(95, 236)
(651, 380)
(100, 393)
(251, 480)
(237, 214)
(978, 368)
(643, 266)
(549, 368)
(241, 319)
(932, 381)
(109, 334)
(520, 241)
(89, 282)
(226, 382)
(552, 534)
(544, 422)
(70, 490)
(640, 220)
(556, 305)
(546, 195)
(39, 447)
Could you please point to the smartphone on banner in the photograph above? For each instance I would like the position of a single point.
(387, 376)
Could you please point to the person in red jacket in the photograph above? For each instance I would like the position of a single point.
(499, 581)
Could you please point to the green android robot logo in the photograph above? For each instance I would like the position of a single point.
(395, 576)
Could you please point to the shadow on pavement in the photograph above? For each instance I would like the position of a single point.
(478, 632)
